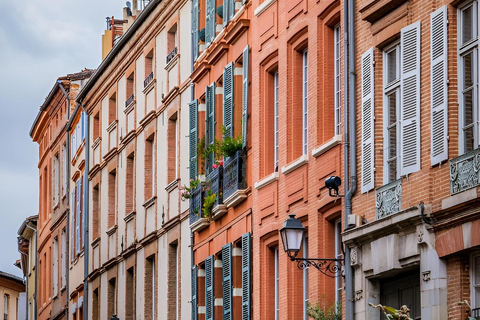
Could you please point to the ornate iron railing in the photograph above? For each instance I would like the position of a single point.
(196, 203)
(389, 199)
(214, 184)
(172, 54)
(147, 80)
(129, 100)
(234, 169)
(465, 171)
(476, 313)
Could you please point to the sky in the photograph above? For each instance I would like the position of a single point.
(39, 42)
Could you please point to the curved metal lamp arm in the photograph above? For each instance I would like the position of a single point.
(330, 267)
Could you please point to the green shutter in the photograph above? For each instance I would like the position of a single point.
(194, 292)
(227, 281)
(246, 265)
(195, 29)
(210, 124)
(193, 109)
(228, 99)
(209, 297)
(210, 22)
(245, 95)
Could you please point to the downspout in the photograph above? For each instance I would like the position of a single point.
(67, 256)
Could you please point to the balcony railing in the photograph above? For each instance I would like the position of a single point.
(147, 80)
(234, 169)
(389, 199)
(129, 100)
(465, 171)
(476, 313)
(196, 204)
(172, 54)
(214, 184)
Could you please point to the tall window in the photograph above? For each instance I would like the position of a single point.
(305, 280)
(149, 167)
(305, 102)
(63, 266)
(64, 169)
(130, 294)
(468, 76)
(112, 297)
(172, 148)
(475, 280)
(173, 281)
(56, 180)
(275, 116)
(336, 55)
(55, 266)
(5, 306)
(129, 184)
(112, 198)
(277, 283)
(391, 96)
(112, 108)
(150, 288)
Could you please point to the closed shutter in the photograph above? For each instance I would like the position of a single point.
(227, 281)
(209, 297)
(210, 22)
(193, 109)
(439, 90)
(246, 265)
(368, 136)
(210, 124)
(195, 29)
(410, 99)
(228, 100)
(194, 292)
(77, 216)
(246, 59)
(228, 11)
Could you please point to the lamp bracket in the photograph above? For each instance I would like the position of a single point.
(330, 267)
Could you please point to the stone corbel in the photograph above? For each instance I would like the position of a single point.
(355, 254)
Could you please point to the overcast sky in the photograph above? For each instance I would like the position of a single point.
(39, 42)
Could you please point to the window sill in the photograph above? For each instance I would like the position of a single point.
(112, 126)
(266, 181)
(295, 164)
(336, 140)
(264, 6)
(149, 86)
(130, 107)
(129, 217)
(112, 230)
(149, 202)
(171, 186)
(172, 62)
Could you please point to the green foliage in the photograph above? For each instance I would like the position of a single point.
(231, 145)
(318, 312)
(208, 203)
(201, 154)
(186, 192)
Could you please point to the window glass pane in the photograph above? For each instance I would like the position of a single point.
(467, 24)
(392, 170)
(392, 107)
(477, 298)
(477, 271)
(392, 65)
(468, 139)
(468, 69)
(468, 107)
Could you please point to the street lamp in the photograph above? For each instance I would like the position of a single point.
(292, 235)
(114, 317)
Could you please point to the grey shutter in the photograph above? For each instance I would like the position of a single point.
(193, 109)
(210, 22)
(246, 59)
(227, 281)
(228, 11)
(194, 293)
(246, 265)
(77, 216)
(228, 99)
(195, 29)
(368, 152)
(210, 124)
(410, 99)
(209, 298)
(439, 90)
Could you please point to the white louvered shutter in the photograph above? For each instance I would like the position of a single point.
(439, 89)
(228, 99)
(227, 281)
(368, 136)
(246, 63)
(410, 99)
(246, 276)
(193, 110)
(195, 29)
(210, 123)
(209, 295)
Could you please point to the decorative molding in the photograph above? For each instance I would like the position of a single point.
(389, 199)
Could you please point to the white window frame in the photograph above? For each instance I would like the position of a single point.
(277, 283)
(305, 280)
(305, 101)
(337, 79)
(393, 87)
(470, 46)
(275, 116)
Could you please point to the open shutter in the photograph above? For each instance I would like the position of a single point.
(246, 265)
(367, 121)
(228, 99)
(439, 90)
(209, 298)
(193, 109)
(72, 228)
(246, 59)
(227, 281)
(410, 99)
(210, 124)
(228, 11)
(195, 29)
(210, 22)
(194, 292)
(77, 216)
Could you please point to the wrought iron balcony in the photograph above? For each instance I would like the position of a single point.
(465, 171)
(389, 199)
(196, 203)
(234, 170)
(214, 184)
(172, 54)
(129, 100)
(476, 313)
(147, 80)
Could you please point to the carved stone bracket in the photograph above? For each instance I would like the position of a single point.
(389, 199)
(358, 295)
(426, 276)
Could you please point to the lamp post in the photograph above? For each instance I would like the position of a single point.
(292, 235)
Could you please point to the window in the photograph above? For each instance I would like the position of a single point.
(112, 108)
(150, 167)
(112, 198)
(55, 266)
(5, 306)
(468, 76)
(275, 117)
(148, 68)
(96, 126)
(305, 102)
(337, 85)
(193, 138)
(172, 43)
(63, 266)
(172, 148)
(130, 294)
(338, 255)
(173, 281)
(56, 180)
(96, 305)
(150, 289)
(77, 218)
(475, 282)
(276, 283)
(112, 297)
(129, 184)
(210, 124)
(305, 280)
(64, 169)
(129, 89)
(96, 202)
(391, 92)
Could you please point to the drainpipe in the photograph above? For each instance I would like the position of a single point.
(67, 256)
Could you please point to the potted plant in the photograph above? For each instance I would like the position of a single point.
(208, 203)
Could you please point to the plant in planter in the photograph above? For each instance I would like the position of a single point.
(208, 203)
(229, 145)
(186, 192)
(318, 312)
